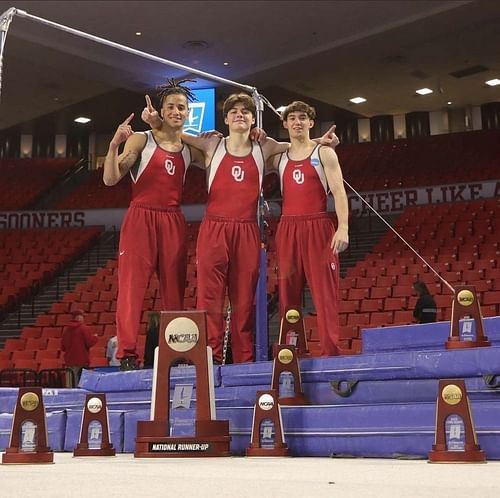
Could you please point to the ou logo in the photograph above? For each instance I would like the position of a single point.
(238, 173)
(298, 176)
(170, 167)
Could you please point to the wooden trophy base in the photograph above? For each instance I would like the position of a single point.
(281, 451)
(211, 440)
(80, 450)
(456, 343)
(298, 399)
(27, 458)
(470, 455)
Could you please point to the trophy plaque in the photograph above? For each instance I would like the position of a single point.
(465, 304)
(286, 362)
(455, 439)
(28, 437)
(267, 427)
(292, 330)
(182, 339)
(94, 432)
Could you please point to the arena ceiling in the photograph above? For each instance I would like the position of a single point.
(326, 51)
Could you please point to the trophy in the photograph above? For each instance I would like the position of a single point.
(94, 432)
(465, 304)
(183, 339)
(28, 437)
(455, 439)
(267, 427)
(292, 330)
(286, 367)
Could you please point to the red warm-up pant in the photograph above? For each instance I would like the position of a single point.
(150, 240)
(228, 256)
(303, 252)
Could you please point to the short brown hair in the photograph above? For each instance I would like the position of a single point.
(239, 98)
(299, 106)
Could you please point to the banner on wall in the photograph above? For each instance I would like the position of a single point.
(385, 202)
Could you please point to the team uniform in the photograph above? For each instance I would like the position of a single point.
(153, 238)
(228, 248)
(303, 240)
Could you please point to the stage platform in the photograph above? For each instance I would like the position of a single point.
(381, 403)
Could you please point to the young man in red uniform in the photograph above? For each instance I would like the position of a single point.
(307, 244)
(153, 234)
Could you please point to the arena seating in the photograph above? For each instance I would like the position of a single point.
(25, 180)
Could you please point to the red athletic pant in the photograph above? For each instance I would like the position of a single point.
(303, 252)
(150, 240)
(228, 256)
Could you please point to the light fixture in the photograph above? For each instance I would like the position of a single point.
(138, 33)
(449, 102)
(357, 100)
(226, 63)
(493, 82)
(423, 91)
(82, 120)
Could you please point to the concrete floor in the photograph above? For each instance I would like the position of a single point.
(236, 477)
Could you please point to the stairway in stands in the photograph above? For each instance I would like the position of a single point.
(87, 265)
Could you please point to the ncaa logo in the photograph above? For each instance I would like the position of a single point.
(238, 173)
(298, 176)
(170, 167)
(315, 162)
(266, 402)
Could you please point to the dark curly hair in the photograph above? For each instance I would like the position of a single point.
(172, 87)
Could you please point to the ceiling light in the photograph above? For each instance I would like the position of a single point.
(424, 91)
(493, 82)
(357, 100)
(226, 63)
(449, 102)
(82, 120)
(138, 33)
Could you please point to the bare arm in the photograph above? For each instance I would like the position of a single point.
(272, 164)
(116, 166)
(335, 180)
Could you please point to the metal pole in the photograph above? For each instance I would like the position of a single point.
(261, 332)
(5, 20)
(97, 39)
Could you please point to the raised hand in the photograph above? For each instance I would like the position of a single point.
(329, 138)
(123, 131)
(150, 114)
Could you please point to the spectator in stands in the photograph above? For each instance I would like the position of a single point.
(151, 339)
(77, 339)
(307, 244)
(425, 310)
(228, 241)
(111, 349)
(153, 233)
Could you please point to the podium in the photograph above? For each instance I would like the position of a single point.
(267, 427)
(455, 439)
(286, 361)
(182, 339)
(465, 303)
(292, 331)
(94, 431)
(28, 437)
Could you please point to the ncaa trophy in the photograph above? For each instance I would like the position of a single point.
(465, 304)
(287, 363)
(28, 437)
(267, 427)
(292, 330)
(455, 439)
(183, 338)
(94, 432)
